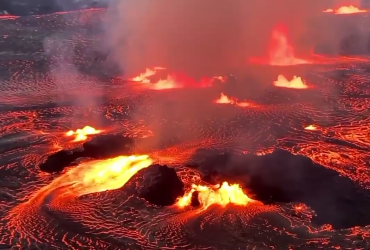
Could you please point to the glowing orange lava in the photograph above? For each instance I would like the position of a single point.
(143, 77)
(224, 99)
(220, 78)
(111, 174)
(8, 17)
(174, 80)
(281, 52)
(295, 83)
(99, 175)
(207, 196)
(81, 134)
(345, 10)
(311, 127)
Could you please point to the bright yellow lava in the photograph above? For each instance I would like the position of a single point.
(81, 134)
(311, 127)
(96, 176)
(223, 195)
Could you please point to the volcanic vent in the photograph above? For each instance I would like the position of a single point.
(281, 177)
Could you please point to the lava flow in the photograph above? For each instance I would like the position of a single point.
(224, 99)
(171, 81)
(103, 175)
(295, 83)
(99, 175)
(95, 176)
(345, 10)
(81, 134)
(281, 52)
(221, 195)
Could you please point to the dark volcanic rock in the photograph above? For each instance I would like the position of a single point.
(161, 186)
(104, 146)
(281, 177)
(108, 146)
(194, 199)
(60, 160)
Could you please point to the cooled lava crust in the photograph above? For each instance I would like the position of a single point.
(323, 172)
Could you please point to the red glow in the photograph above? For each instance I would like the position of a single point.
(172, 80)
(345, 10)
(280, 51)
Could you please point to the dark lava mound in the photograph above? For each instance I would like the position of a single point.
(59, 160)
(100, 147)
(108, 146)
(281, 177)
(161, 186)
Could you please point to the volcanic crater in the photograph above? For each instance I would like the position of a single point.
(269, 163)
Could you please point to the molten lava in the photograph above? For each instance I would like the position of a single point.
(223, 195)
(311, 127)
(174, 80)
(295, 83)
(99, 175)
(220, 78)
(81, 134)
(345, 10)
(224, 99)
(113, 173)
(281, 52)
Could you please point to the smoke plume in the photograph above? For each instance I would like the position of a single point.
(205, 36)
(211, 37)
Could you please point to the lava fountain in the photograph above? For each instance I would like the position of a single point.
(81, 134)
(311, 127)
(221, 195)
(295, 83)
(345, 10)
(224, 99)
(281, 52)
(172, 80)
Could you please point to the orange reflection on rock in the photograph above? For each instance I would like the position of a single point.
(81, 134)
(295, 83)
(345, 10)
(221, 195)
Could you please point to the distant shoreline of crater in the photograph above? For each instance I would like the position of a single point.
(41, 7)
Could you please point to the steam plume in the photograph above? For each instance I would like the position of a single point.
(204, 35)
